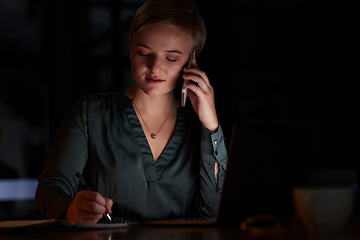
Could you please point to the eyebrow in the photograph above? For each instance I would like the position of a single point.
(170, 51)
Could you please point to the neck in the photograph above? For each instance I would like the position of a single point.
(151, 105)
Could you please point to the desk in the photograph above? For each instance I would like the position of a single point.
(352, 232)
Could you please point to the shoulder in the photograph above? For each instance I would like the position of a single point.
(96, 104)
(103, 100)
(99, 98)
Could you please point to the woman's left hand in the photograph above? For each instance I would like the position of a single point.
(201, 96)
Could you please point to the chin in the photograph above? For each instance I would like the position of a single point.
(157, 92)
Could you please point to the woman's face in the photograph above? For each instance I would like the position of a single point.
(158, 53)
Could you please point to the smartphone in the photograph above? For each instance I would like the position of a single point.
(184, 90)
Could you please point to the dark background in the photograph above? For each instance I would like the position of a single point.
(270, 62)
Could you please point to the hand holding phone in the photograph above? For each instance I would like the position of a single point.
(184, 90)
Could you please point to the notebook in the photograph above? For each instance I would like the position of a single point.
(265, 162)
(53, 225)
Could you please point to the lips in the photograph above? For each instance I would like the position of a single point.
(154, 79)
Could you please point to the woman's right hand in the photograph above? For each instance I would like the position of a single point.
(88, 207)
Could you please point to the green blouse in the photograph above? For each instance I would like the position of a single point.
(102, 138)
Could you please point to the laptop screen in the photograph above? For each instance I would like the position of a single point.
(265, 163)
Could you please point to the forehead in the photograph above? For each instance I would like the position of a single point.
(162, 35)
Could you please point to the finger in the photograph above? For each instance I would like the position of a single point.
(91, 202)
(198, 79)
(108, 205)
(194, 91)
(93, 196)
(89, 216)
(192, 73)
(191, 95)
(92, 207)
(76, 214)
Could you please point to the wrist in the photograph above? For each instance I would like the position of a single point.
(212, 127)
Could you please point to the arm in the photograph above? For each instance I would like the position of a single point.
(213, 149)
(213, 153)
(57, 188)
(202, 99)
(201, 96)
(68, 153)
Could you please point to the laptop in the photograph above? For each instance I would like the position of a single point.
(265, 162)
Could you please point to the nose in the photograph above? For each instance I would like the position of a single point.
(154, 64)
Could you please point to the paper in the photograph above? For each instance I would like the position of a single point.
(52, 225)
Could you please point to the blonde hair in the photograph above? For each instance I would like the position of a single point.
(179, 13)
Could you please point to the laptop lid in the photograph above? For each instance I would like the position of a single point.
(265, 162)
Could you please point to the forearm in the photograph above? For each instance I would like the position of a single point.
(68, 153)
(52, 201)
(212, 170)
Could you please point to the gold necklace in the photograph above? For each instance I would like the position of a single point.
(154, 135)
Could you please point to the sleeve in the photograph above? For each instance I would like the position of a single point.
(213, 149)
(68, 153)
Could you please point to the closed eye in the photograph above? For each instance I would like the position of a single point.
(171, 59)
(143, 54)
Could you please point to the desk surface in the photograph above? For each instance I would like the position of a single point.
(352, 232)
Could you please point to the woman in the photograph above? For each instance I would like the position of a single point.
(144, 156)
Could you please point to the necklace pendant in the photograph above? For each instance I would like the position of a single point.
(153, 135)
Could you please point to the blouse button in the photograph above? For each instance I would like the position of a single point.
(215, 153)
(157, 168)
(216, 142)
